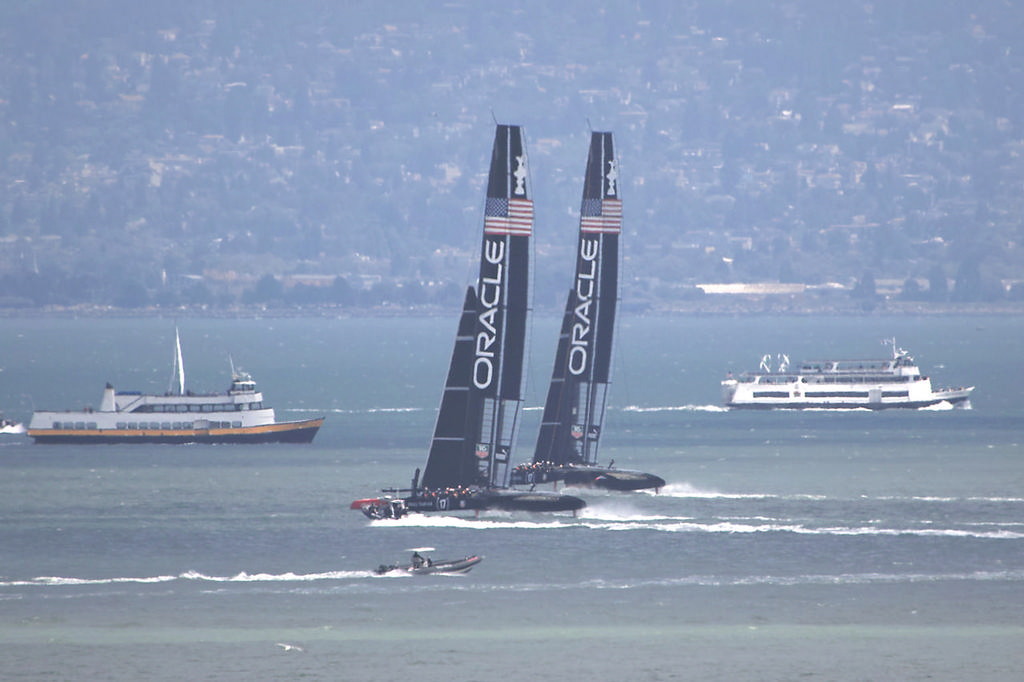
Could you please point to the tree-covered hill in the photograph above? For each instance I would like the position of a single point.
(180, 153)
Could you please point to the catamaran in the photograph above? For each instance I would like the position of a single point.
(467, 466)
(574, 411)
(178, 416)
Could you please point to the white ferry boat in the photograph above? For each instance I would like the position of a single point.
(839, 384)
(236, 416)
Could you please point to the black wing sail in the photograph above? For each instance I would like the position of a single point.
(573, 420)
(468, 464)
(574, 410)
(479, 413)
(446, 462)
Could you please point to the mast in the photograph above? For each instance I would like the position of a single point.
(479, 414)
(574, 410)
(178, 371)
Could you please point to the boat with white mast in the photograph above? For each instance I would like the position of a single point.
(237, 415)
(875, 384)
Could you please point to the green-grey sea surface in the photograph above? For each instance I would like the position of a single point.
(842, 546)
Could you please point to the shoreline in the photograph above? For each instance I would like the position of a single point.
(699, 308)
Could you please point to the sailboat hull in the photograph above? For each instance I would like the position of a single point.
(607, 478)
(615, 479)
(492, 499)
(531, 502)
(474, 500)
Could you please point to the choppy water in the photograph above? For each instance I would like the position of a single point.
(830, 546)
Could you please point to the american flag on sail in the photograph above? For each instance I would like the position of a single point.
(601, 215)
(508, 216)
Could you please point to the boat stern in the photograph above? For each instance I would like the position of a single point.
(729, 386)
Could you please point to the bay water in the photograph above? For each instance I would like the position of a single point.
(821, 545)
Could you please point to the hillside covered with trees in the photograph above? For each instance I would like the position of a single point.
(215, 153)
